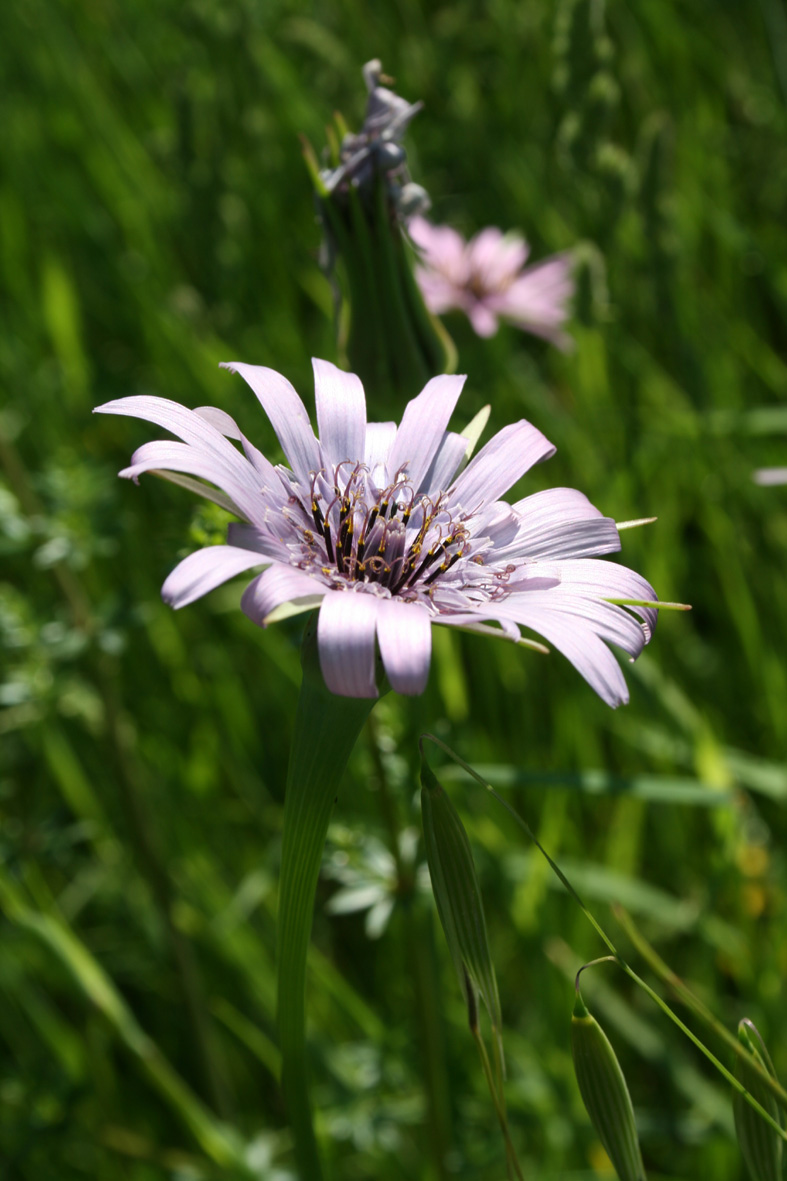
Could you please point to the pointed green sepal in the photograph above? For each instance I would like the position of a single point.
(605, 1093)
(760, 1145)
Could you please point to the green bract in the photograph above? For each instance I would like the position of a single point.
(458, 899)
(605, 1093)
(760, 1144)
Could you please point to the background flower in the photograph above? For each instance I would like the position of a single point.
(487, 278)
(388, 532)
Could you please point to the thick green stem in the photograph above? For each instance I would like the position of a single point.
(326, 728)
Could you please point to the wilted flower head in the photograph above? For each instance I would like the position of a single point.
(381, 528)
(487, 278)
(377, 147)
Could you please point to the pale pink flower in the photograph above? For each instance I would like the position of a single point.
(487, 279)
(384, 530)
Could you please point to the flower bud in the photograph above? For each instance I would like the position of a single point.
(760, 1144)
(605, 1093)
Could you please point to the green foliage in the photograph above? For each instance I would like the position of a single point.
(155, 218)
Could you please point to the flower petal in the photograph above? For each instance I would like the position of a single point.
(206, 569)
(610, 581)
(496, 257)
(341, 412)
(483, 319)
(538, 299)
(259, 540)
(345, 636)
(449, 455)
(498, 465)
(276, 585)
(441, 248)
(229, 428)
(404, 632)
(223, 422)
(287, 414)
(187, 424)
(422, 428)
(559, 523)
(575, 636)
(379, 441)
(233, 474)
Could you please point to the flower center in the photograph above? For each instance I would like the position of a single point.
(388, 536)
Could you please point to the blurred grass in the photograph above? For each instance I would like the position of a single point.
(155, 218)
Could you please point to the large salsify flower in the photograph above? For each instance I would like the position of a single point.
(382, 528)
(487, 279)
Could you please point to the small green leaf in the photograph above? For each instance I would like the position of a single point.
(760, 1145)
(605, 1093)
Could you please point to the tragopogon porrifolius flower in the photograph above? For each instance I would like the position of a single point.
(383, 529)
(487, 279)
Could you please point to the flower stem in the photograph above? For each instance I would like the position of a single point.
(326, 728)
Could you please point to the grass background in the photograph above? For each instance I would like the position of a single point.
(155, 218)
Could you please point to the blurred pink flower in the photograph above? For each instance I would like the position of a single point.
(487, 278)
(383, 529)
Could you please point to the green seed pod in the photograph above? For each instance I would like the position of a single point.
(458, 898)
(605, 1094)
(760, 1144)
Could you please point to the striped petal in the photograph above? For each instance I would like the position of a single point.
(423, 426)
(576, 638)
(610, 581)
(404, 632)
(229, 428)
(345, 636)
(341, 412)
(206, 569)
(560, 523)
(377, 447)
(233, 475)
(499, 464)
(287, 414)
(443, 467)
(277, 585)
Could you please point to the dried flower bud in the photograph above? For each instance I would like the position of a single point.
(605, 1093)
